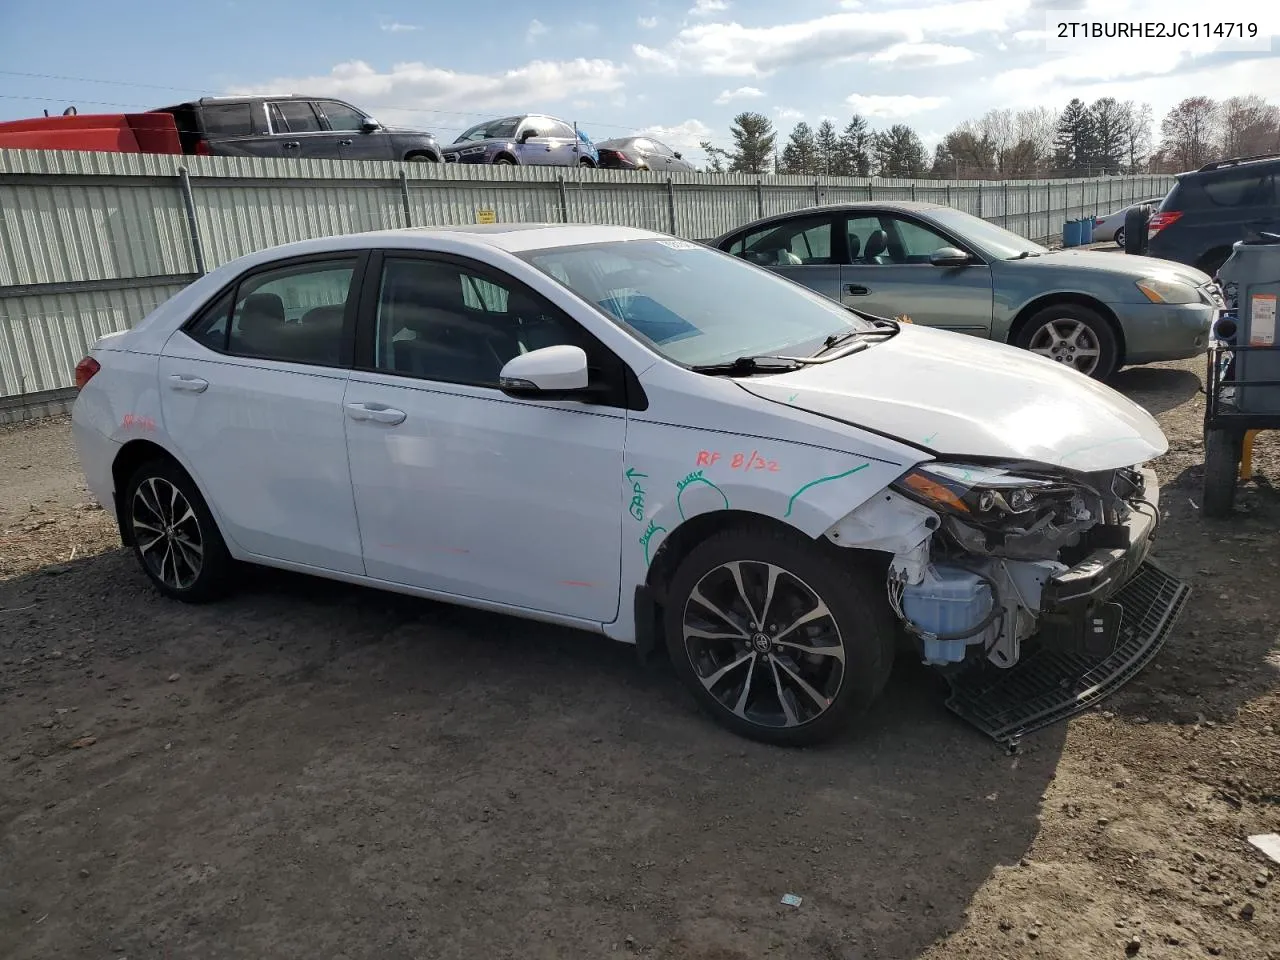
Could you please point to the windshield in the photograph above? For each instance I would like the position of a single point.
(695, 305)
(997, 241)
(491, 130)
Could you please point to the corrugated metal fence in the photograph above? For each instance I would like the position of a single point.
(92, 242)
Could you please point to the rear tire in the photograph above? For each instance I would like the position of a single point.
(1119, 238)
(791, 666)
(1222, 450)
(1212, 261)
(175, 538)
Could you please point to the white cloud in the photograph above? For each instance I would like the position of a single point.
(654, 59)
(408, 89)
(731, 49)
(683, 136)
(647, 23)
(704, 8)
(394, 27)
(742, 93)
(924, 55)
(786, 114)
(536, 29)
(875, 105)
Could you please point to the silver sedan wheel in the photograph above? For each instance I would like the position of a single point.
(167, 532)
(1068, 341)
(764, 644)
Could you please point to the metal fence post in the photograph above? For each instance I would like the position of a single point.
(980, 216)
(913, 190)
(948, 193)
(1004, 200)
(1028, 200)
(564, 200)
(189, 202)
(871, 190)
(404, 198)
(817, 194)
(760, 196)
(671, 204)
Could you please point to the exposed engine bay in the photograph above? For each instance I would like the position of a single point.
(985, 556)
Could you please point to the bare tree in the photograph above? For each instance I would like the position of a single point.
(1033, 132)
(996, 127)
(1250, 126)
(1138, 120)
(1191, 132)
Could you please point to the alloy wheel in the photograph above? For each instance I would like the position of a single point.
(1068, 341)
(167, 532)
(764, 644)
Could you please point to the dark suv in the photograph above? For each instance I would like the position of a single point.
(293, 126)
(1211, 208)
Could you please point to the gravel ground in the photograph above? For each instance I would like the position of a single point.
(312, 770)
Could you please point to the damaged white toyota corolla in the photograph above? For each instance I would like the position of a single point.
(616, 430)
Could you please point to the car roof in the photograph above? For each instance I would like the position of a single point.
(509, 237)
(899, 206)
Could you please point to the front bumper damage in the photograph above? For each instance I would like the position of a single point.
(1066, 635)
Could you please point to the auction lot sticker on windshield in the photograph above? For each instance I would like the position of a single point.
(1262, 330)
(678, 244)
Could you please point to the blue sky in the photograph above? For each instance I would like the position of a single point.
(678, 68)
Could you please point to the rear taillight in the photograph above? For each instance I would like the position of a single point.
(1159, 221)
(85, 370)
(202, 148)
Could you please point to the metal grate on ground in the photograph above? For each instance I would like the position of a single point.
(1049, 685)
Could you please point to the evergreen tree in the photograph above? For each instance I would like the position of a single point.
(1110, 122)
(800, 155)
(829, 149)
(899, 154)
(856, 149)
(753, 143)
(1074, 144)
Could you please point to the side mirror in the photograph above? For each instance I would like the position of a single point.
(549, 373)
(528, 135)
(369, 125)
(949, 257)
(678, 155)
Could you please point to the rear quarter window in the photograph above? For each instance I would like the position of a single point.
(228, 119)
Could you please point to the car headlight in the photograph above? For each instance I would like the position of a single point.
(978, 494)
(470, 151)
(1159, 290)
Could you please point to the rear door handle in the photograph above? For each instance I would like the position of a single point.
(856, 290)
(191, 384)
(291, 145)
(376, 412)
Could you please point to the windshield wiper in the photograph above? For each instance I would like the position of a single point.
(757, 364)
(839, 339)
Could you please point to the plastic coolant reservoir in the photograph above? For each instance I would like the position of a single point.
(949, 600)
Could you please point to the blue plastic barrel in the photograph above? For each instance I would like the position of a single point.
(1071, 234)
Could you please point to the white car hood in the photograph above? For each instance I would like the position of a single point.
(960, 396)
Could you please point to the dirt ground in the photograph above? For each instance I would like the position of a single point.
(312, 770)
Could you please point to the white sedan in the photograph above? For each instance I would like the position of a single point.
(1111, 227)
(613, 429)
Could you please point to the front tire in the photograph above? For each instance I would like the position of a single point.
(175, 538)
(504, 162)
(1073, 335)
(778, 642)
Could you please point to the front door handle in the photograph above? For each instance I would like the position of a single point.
(191, 384)
(344, 143)
(375, 412)
(856, 290)
(291, 145)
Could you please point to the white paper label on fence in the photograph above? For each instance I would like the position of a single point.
(1262, 329)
